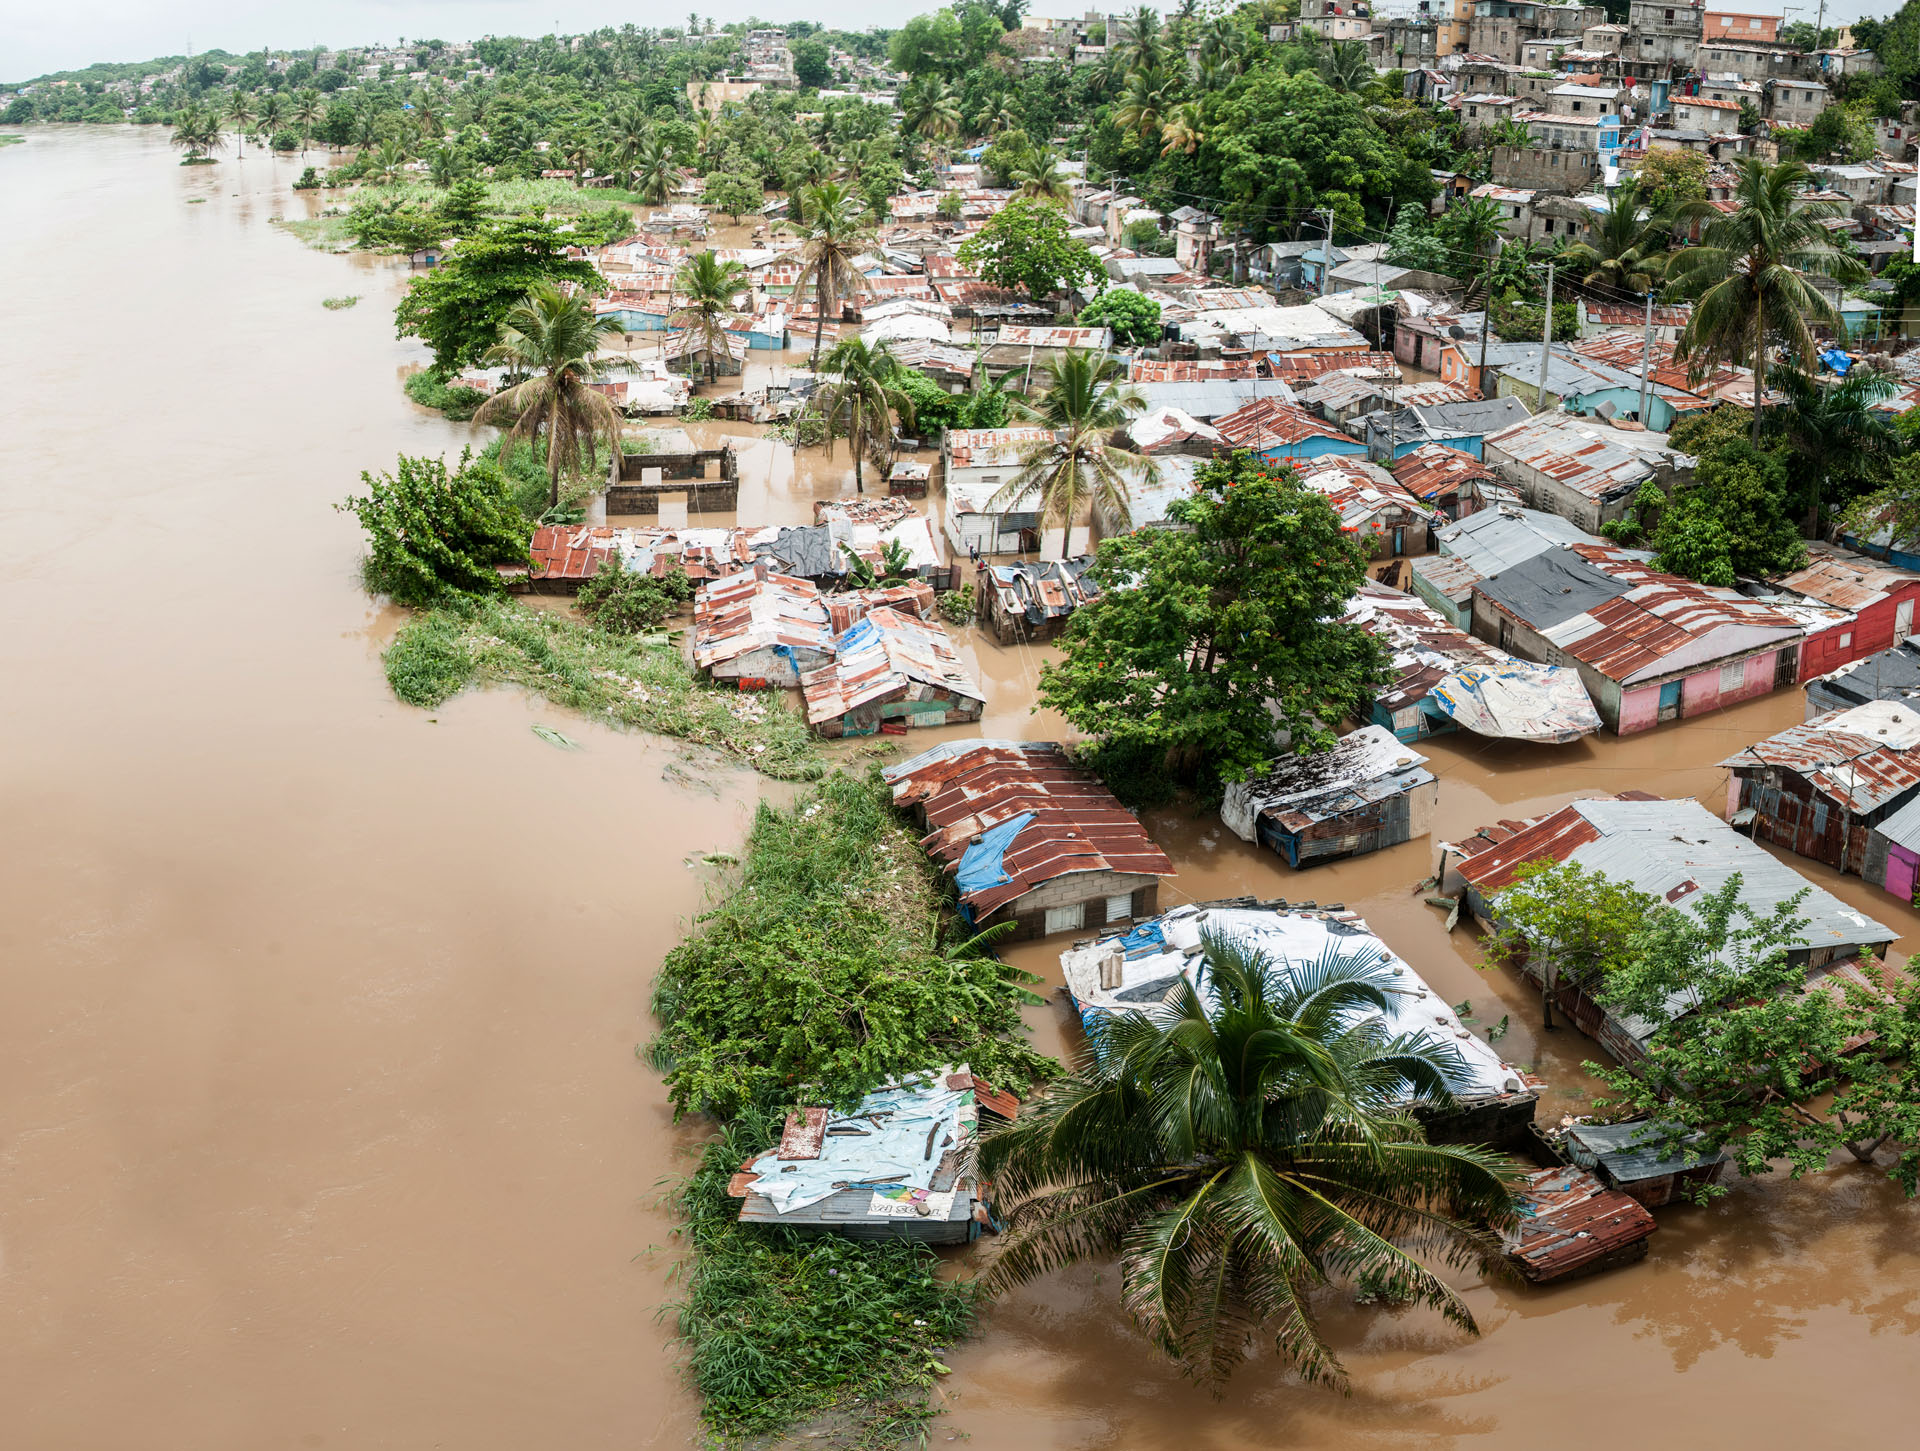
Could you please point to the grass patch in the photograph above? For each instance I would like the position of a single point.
(338, 304)
(780, 1329)
(8, 140)
(639, 682)
(819, 973)
(430, 390)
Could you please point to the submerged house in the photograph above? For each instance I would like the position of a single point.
(1033, 600)
(1878, 601)
(1893, 854)
(1572, 1224)
(1481, 544)
(900, 1166)
(978, 464)
(1890, 675)
(1677, 851)
(890, 672)
(1030, 838)
(1650, 647)
(1444, 679)
(1635, 1159)
(1368, 792)
(1494, 1101)
(760, 629)
(1818, 789)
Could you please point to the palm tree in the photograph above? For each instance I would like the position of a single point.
(1042, 177)
(443, 166)
(1345, 66)
(197, 133)
(552, 338)
(1181, 130)
(708, 287)
(836, 232)
(995, 116)
(306, 113)
(1081, 404)
(1142, 108)
(1623, 251)
(367, 128)
(1239, 1151)
(273, 115)
(929, 109)
(655, 173)
(1142, 47)
(389, 163)
(1749, 275)
(240, 112)
(859, 400)
(1825, 423)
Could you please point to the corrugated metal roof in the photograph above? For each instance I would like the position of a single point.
(1568, 1219)
(748, 611)
(1631, 1152)
(1498, 538)
(1849, 581)
(1361, 493)
(578, 551)
(1151, 370)
(891, 656)
(1861, 759)
(1433, 471)
(1679, 852)
(1268, 423)
(1298, 791)
(963, 788)
(1588, 457)
(1298, 367)
(986, 448)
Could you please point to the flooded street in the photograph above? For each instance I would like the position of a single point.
(320, 1122)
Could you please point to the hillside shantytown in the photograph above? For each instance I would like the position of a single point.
(1022, 437)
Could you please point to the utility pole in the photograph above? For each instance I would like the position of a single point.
(1546, 347)
(1326, 253)
(1486, 318)
(1646, 361)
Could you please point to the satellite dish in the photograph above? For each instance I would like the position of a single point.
(1456, 331)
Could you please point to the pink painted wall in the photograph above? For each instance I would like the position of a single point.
(1760, 675)
(1639, 709)
(1733, 794)
(1901, 866)
(1700, 693)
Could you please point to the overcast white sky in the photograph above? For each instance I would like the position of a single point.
(37, 36)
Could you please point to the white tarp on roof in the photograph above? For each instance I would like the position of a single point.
(1518, 701)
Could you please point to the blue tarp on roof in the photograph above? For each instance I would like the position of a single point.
(980, 867)
(1837, 360)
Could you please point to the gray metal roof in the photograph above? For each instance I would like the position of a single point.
(1554, 585)
(1474, 416)
(1631, 1152)
(1497, 539)
(1891, 675)
(1214, 397)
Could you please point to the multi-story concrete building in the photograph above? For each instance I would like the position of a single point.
(1663, 36)
(1730, 25)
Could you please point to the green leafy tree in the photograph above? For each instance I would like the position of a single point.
(1749, 275)
(1673, 180)
(1025, 244)
(708, 287)
(1731, 520)
(1774, 1071)
(1082, 404)
(734, 193)
(458, 307)
(812, 64)
(834, 235)
(1577, 923)
(552, 338)
(464, 206)
(1238, 1154)
(1133, 316)
(432, 533)
(858, 400)
(625, 601)
(1206, 640)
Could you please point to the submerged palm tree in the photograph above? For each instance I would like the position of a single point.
(197, 133)
(836, 233)
(1082, 403)
(858, 402)
(273, 115)
(553, 338)
(240, 111)
(1240, 1150)
(1749, 275)
(708, 287)
(306, 113)
(1622, 250)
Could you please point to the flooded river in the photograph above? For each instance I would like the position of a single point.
(320, 1124)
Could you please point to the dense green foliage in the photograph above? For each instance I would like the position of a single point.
(641, 682)
(628, 602)
(432, 533)
(1237, 1153)
(1133, 316)
(780, 1328)
(1025, 245)
(823, 972)
(430, 390)
(457, 308)
(1207, 640)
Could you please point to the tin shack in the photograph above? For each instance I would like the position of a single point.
(890, 672)
(1369, 791)
(1677, 851)
(1030, 838)
(760, 629)
(900, 1166)
(1889, 675)
(1032, 600)
(1135, 971)
(1819, 788)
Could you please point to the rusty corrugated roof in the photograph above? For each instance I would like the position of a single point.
(1433, 471)
(1848, 581)
(964, 788)
(892, 656)
(1265, 423)
(1862, 759)
(1568, 1219)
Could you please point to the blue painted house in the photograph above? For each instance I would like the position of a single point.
(1463, 426)
(633, 317)
(1285, 433)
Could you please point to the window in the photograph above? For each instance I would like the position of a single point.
(1846, 640)
(1066, 919)
(1733, 675)
(990, 478)
(1120, 907)
(1754, 24)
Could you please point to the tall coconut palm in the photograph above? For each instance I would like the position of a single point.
(836, 232)
(1181, 130)
(1143, 106)
(655, 172)
(389, 164)
(273, 114)
(707, 287)
(1345, 66)
(197, 133)
(553, 339)
(1826, 423)
(1143, 46)
(1622, 250)
(1749, 275)
(241, 113)
(1042, 178)
(368, 127)
(443, 166)
(306, 113)
(930, 109)
(1239, 1150)
(858, 400)
(1082, 402)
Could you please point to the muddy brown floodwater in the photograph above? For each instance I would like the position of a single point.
(320, 1124)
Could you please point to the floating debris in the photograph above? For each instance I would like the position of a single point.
(554, 738)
